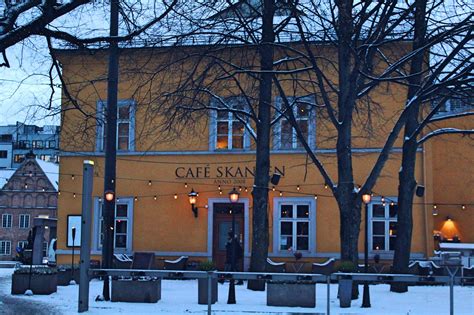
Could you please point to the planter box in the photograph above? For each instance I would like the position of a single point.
(40, 284)
(344, 293)
(141, 291)
(202, 291)
(64, 277)
(291, 294)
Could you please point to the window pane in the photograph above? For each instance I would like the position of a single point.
(222, 128)
(392, 229)
(286, 211)
(237, 128)
(124, 112)
(303, 124)
(302, 228)
(120, 241)
(302, 243)
(302, 211)
(286, 136)
(222, 115)
(123, 129)
(120, 226)
(123, 143)
(238, 142)
(286, 228)
(122, 211)
(378, 211)
(286, 242)
(378, 243)
(378, 228)
(222, 142)
(302, 110)
(393, 210)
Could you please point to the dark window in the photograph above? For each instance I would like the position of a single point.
(3, 154)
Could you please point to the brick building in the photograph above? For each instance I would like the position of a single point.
(27, 192)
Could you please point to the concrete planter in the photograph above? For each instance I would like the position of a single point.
(302, 294)
(141, 291)
(40, 283)
(203, 289)
(64, 277)
(344, 292)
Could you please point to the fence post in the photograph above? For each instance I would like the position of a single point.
(87, 183)
(328, 295)
(209, 291)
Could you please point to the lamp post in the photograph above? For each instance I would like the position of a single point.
(233, 197)
(73, 232)
(366, 297)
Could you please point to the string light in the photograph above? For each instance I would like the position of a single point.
(74, 195)
(298, 188)
(26, 186)
(136, 198)
(463, 207)
(149, 183)
(315, 197)
(220, 192)
(155, 197)
(435, 210)
(185, 185)
(175, 196)
(72, 177)
(240, 188)
(112, 180)
(273, 188)
(219, 187)
(382, 199)
(281, 193)
(246, 189)
(59, 193)
(118, 199)
(326, 186)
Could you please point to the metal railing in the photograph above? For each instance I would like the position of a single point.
(281, 277)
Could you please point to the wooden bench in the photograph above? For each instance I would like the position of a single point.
(273, 266)
(177, 264)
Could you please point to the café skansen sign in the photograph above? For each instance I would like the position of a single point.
(221, 174)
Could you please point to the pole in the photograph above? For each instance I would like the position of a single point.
(108, 212)
(231, 297)
(328, 295)
(209, 292)
(73, 232)
(85, 255)
(366, 297)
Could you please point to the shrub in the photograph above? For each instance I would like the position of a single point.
(207, 266)
(35, 270)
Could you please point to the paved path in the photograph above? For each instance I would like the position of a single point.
(13, 305)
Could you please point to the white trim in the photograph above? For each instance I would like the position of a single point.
(96, 225)
(9, 252)
(386, 219)
(277, 201)
(210, 227)
(7, 215)
(28, 221)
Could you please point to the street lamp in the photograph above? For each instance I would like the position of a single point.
(234, 198)
(366, 297)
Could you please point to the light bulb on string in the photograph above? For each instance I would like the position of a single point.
(185, 185)
(175, 196)
(136, 198)
(315, 197)
(298, 188)
(72, 177)
(281, 193)
(435, 210)
(74, 195)
(246, 189)
(149, 183)
(326, 186)
(273, 188)
(155, 197)
(463, 207)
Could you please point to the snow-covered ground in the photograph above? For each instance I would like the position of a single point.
(180, 297)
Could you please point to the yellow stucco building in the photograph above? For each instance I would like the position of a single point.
(214, 154)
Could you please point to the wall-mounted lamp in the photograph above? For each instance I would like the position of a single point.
(109, 195)
(448, 218)
(234, 195)
(192, 200)
(275, 179)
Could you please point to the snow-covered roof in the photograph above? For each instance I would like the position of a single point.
(5, 175)
(51, 170)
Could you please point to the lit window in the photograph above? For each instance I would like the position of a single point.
(37, 144)
(125, 126)
(6, 220)
(5, 247)
(19, 158)
(383, 224)
(229, 131)
(294, 224)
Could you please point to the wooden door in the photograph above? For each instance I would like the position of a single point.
(221, 227)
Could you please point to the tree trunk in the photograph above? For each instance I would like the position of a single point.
(406, 189)
(406, 181)
(262, 168)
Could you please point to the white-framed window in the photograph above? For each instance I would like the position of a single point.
(125, 125)
(285, 136)
(24, 221)
(7, 220)
(294, 225)
(122, 228)
(227, 127)
(5, 247)
(383, 216)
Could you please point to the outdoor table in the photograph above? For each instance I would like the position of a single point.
(466, 249)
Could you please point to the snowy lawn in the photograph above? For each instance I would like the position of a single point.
(180, 297)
